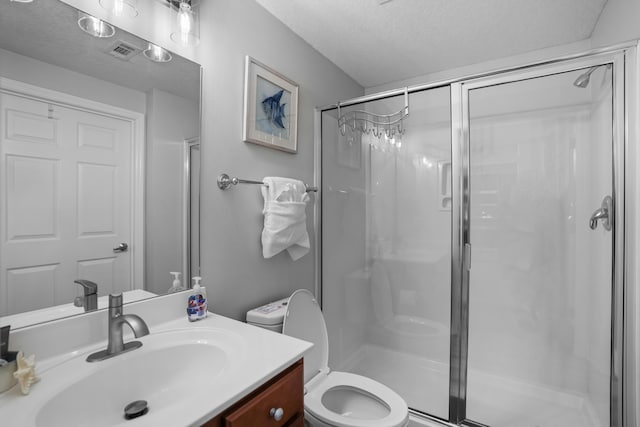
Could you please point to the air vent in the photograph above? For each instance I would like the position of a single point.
(123, 50)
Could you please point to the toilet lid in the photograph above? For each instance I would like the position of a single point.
(304, 320)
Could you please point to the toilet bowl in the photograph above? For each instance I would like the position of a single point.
(337, 399)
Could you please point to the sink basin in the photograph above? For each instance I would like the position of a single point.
(187, 372)
(169, 369)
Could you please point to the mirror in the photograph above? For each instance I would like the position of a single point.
(99, 161)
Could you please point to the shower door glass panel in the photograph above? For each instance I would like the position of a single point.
(540, 153)
(386, 257)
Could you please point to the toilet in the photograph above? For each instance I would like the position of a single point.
(337, 399)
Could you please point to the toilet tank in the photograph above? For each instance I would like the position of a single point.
(269, 316)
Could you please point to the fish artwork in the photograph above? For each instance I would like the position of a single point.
(274, 110)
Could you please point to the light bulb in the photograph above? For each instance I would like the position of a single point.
(118, 7)
(94, 26)
(185, 18)
(126, 8)
(157, 54)
(186, 31)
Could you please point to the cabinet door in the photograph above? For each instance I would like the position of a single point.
(285, 394)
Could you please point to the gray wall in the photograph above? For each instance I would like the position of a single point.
(28, 70)
(233, 270)
(236, 275)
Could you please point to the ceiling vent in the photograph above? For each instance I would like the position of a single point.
(123, 50)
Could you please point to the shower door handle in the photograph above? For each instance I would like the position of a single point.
(604, 214)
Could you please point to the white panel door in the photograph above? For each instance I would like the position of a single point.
(65, 201)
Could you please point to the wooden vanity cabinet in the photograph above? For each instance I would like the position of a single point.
(285, 392)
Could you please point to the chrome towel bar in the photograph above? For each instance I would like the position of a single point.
(225, 181)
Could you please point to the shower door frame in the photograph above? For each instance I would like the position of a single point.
(461, 238)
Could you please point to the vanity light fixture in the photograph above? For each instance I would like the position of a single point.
(157, 54)
(22, 1)
(186, 27)
(125, 8)
(94, 26)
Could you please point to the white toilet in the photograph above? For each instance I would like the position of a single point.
(337, 399)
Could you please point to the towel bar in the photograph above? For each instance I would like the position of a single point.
(225, 181)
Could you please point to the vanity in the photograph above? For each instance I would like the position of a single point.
(216, 372)
(278, 402)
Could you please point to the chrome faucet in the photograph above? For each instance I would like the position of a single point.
(90, 299)
(117, 320)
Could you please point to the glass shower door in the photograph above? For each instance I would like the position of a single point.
(386, 248)
(541, 154)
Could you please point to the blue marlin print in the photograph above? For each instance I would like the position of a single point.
(274, 110)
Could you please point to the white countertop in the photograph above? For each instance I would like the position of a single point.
(264, 355)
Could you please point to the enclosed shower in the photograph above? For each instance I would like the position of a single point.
(471, 243)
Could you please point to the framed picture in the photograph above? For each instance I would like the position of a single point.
(270, 108)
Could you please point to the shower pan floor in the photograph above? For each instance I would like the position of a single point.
(495, 401)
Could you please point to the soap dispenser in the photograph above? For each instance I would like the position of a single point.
(197, 302)
(176, 286)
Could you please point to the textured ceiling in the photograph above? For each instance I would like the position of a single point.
(377, 42)
(47, 30)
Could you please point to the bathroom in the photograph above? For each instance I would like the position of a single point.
(236, 275)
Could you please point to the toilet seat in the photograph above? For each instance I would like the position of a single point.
(337, 399)
(397, 416)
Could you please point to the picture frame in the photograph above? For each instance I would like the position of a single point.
(270, 114)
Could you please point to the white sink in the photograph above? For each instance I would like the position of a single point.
(187, 372)
(169, 369)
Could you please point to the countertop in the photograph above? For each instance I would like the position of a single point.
(263, 355)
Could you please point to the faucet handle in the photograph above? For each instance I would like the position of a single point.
(115, 300)
(88, 286)
(90, 299)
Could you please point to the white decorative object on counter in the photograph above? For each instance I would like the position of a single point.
(26, 372)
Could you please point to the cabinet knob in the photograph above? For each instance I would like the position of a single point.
(277, 414)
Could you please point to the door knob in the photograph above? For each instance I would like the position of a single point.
(122, 247)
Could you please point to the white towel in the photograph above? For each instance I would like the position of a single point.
(285, 220)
